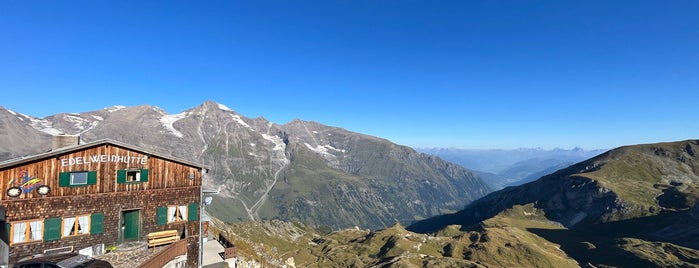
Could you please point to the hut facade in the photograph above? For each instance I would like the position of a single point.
(96, 195)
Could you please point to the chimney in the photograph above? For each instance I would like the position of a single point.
(63, 140)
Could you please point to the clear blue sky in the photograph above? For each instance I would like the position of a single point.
(466, 74)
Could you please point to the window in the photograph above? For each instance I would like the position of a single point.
(76, 179)
(79, 225)
(55, 228)
(176, 213)
(132, 175)
(26, 231)
(169, 214)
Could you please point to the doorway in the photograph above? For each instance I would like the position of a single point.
(4, 240)
(131, 224)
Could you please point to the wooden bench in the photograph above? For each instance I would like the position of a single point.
(163, 238)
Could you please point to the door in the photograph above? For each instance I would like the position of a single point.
(131, 224)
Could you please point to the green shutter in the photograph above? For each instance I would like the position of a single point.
(162, 215)
(52, 229)
(64, 179)
(193, 212)
(91, 177)
(144, 175)
(96, 223)
(121, 176)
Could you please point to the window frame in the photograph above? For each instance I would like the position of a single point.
(140, 175)
(182, 214)
(72, 178)
(164, 214)
(65, 179)
(133, 176)
(76, 224)
(27, 231)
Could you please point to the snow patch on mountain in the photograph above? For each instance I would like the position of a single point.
(43, 125)
(224, 107)
(168, 122)
(240, 121)
(278, 142)
(115, 108)
(323, 149)
(52, 131)
(98, 117)
(82, 124)
(12, 112)
(79, 122)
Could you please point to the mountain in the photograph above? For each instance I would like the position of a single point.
(19, 135)
(512, 167)
(300, 171)
(633, 206)
(624, 183)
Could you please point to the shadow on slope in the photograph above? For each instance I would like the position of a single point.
(591, 250)
(667, 239)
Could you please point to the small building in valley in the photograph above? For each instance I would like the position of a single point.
(96, 195)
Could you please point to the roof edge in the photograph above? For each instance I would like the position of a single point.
(25, 159)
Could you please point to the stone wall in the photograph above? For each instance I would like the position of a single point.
(111, 204)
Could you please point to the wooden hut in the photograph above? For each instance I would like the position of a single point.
(97, 194)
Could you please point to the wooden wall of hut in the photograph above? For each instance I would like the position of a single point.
(104, 159)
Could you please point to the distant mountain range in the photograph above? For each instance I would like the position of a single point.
(633, 206)
(300, 171)
(502, 168)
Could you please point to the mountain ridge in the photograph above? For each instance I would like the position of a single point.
(300, 171)
(601, 189)
(512, 167)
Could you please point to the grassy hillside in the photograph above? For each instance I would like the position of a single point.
(521, 236)
(624, 183)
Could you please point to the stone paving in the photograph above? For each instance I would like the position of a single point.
(130, 254)
(133, 254)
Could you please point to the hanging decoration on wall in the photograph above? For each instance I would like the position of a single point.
(26, 185)
(14, 191)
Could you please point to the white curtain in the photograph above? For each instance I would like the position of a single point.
(171, 214)
(84, 226)
(183, 212)
(176, 213)
(19, 232)
(36, 228)
(68, 224)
